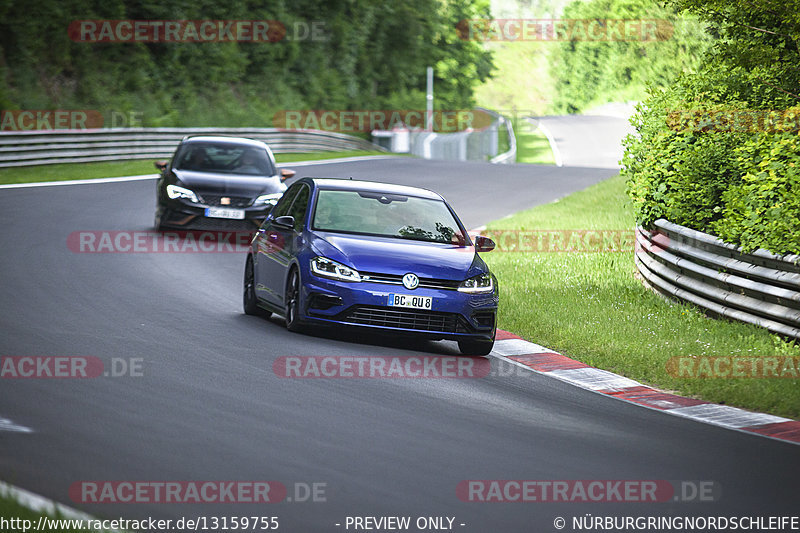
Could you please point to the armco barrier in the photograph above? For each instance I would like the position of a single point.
(511, 155)
(84, 146)
(761, 288)
(478, 145)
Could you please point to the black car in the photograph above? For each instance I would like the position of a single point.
(228, 183)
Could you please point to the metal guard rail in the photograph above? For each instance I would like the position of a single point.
(511, 155)
(86, 146)
(761, 288)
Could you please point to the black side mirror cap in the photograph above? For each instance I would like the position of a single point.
(285, 221)
(484, 244)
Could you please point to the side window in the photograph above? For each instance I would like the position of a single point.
(298, 210)
(283, 205)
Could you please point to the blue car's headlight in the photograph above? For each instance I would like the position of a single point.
(477, 284)
(173, 191)
(327, 268)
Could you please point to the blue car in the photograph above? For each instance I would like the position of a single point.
(372, 255)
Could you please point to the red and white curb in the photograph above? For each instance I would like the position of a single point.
(541, 360)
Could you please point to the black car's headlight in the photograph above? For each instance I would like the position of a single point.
(477, 284)
(173, 191)
(268, 199)
(327, 268)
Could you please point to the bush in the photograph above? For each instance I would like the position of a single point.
(718, 150)
(742, 186)
(763, 209)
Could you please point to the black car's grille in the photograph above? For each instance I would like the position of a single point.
(425, 283)
(407, 319)
(215, 200)
(224, 224)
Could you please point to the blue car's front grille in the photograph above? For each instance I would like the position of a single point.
(407, 319)
(424, 283)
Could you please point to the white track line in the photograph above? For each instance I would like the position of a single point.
(155, 176)
(79, 182)
(550, 139)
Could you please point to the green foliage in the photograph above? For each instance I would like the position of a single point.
(373, 54)
(763, 209)
(589, 307)
(718, 150)
(592, 72)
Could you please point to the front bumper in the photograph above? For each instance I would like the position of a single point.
(178, 214)
(454, 315)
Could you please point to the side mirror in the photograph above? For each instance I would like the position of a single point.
(285, 221)
(484, 244)
(161, 165)
(287, 173)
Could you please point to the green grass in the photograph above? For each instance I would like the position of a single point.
(82, 171)
(10, 508)
(503, 144)
(532, 144)
(589, 306)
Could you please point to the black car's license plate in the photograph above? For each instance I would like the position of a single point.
(222, 212)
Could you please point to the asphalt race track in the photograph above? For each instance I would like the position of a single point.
(210, 407)
(588, 140)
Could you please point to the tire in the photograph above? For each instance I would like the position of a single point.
(476, 346)
(249, 300)
(293, 303)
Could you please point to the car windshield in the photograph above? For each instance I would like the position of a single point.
(225, 158)
(386, 215)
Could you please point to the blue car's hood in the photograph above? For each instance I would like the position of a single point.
(397, 256)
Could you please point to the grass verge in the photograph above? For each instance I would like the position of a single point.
(532, 144)
(82, 171)
(589, 306)
(22, 518)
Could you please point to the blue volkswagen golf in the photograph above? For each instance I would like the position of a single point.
(372, 255)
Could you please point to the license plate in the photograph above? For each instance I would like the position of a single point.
(413, 302)
(222, 212)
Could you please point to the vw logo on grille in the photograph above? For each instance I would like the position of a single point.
(410, 281)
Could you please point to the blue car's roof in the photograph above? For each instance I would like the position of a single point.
(344, 184)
